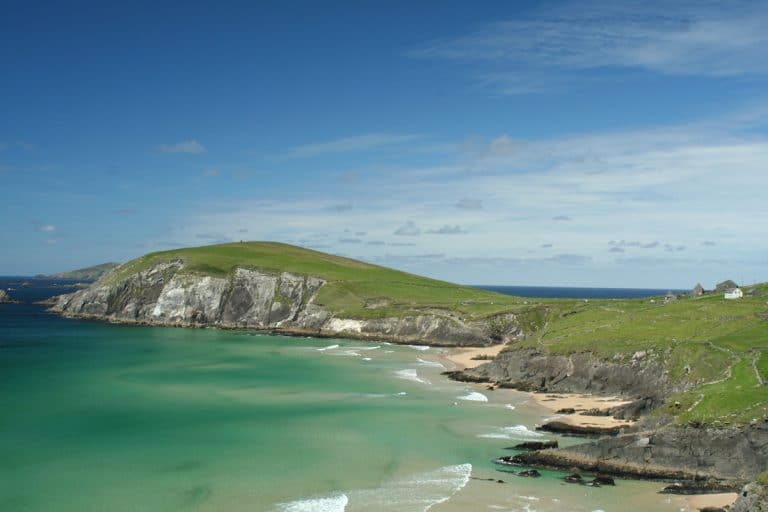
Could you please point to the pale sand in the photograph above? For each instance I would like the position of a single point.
(462, 357)
(699, 501)
(580, 402)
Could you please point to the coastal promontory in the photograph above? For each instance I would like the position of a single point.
(288, 289)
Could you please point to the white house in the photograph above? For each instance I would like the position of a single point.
(734, 293)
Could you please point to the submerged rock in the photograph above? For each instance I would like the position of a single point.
(574, 478)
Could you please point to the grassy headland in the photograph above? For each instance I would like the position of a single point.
(354, 289)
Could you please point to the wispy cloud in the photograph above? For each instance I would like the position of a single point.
(469, 203)
(447, 230)
(408, 229)
(188, 146)
(47, 228)
(541, 49)
(339, 208)
(350, 144)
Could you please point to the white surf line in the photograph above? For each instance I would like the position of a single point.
(334, 503)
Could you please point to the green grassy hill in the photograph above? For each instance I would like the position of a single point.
(354, 290)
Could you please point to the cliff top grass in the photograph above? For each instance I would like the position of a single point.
(718, 347)
(354, 289)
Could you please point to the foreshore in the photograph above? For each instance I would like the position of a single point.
(552, 406)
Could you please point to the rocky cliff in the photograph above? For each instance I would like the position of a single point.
(5, 298)
(684, 452)
(642, 378)
(251, 298)
(657, 447)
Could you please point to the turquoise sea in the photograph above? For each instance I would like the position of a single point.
(100, 417)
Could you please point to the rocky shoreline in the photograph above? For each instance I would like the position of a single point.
(699, 458)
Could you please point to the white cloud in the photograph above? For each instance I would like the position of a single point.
(47, 228)
(188, 146)
(350, 144)
(674, 186)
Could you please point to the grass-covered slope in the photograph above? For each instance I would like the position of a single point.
(720, 345)
(354, 289)
(84, 274)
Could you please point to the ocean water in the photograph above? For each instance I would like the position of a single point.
(97, 417)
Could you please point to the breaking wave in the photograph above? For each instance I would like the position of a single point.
(417, 493)
(474, 396)
(519, 432)
(411, 375)
(433, 364)
(335, 503)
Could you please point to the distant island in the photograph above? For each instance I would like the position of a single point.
(692, 371)
(82, 274)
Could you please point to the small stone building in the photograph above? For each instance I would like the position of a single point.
(698, 290)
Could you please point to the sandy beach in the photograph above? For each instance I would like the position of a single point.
(700, 501)
(463, 357)
(580, 403)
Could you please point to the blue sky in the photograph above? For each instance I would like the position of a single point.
(552, 143)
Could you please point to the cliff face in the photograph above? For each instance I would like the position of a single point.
(536, 370)
(248, 298)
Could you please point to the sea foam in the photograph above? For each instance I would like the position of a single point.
(417, 493)
(519, 432)
(329, 347)
(411, 375)
(336, 503)
(433, 364)
(474, 396)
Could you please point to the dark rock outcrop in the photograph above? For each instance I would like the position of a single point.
(567, 429)
(534, 445)
(692, 453)
(5, 298)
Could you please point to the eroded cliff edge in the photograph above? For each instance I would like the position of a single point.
(252, 298)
